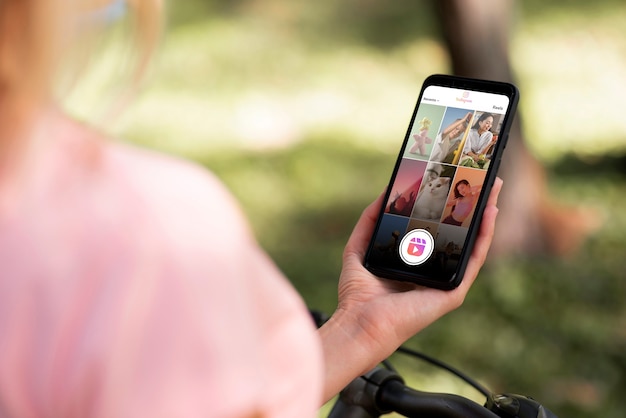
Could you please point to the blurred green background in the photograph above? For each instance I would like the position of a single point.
(300, 107)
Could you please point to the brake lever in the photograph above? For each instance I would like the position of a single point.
(507, 405)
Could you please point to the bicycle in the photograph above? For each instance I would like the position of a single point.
(383, 391)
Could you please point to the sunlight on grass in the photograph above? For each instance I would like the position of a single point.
(573, 79)
(244, 84)
(223, 85)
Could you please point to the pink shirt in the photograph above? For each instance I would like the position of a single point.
(462, 208)
(131, 286)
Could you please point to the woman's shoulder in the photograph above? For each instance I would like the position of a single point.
(116, 165)
(173, 174)
(177, 190)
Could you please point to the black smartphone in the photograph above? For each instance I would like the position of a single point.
(441, 181)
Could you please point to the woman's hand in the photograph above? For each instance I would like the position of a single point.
(375, 316)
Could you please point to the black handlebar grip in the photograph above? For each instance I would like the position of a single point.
(412, 403)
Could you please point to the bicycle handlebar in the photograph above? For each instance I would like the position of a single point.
(410, 402)
(382, 391)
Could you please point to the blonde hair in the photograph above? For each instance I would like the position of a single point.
(35, 34)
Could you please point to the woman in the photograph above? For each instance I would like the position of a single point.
(447, 139)
(479, 138)
(465, 197)
(131, 283)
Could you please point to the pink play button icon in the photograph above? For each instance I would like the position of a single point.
(416, 247)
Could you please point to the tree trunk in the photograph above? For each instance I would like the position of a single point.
(477, 33)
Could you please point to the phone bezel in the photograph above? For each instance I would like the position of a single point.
(470, 84)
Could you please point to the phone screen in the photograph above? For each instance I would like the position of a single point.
(446, 166)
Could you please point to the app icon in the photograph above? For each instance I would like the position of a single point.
(416, 247)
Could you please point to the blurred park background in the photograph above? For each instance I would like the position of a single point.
(301, 107)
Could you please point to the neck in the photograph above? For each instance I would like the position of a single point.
(19, 121)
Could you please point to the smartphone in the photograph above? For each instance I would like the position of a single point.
(441, 181)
